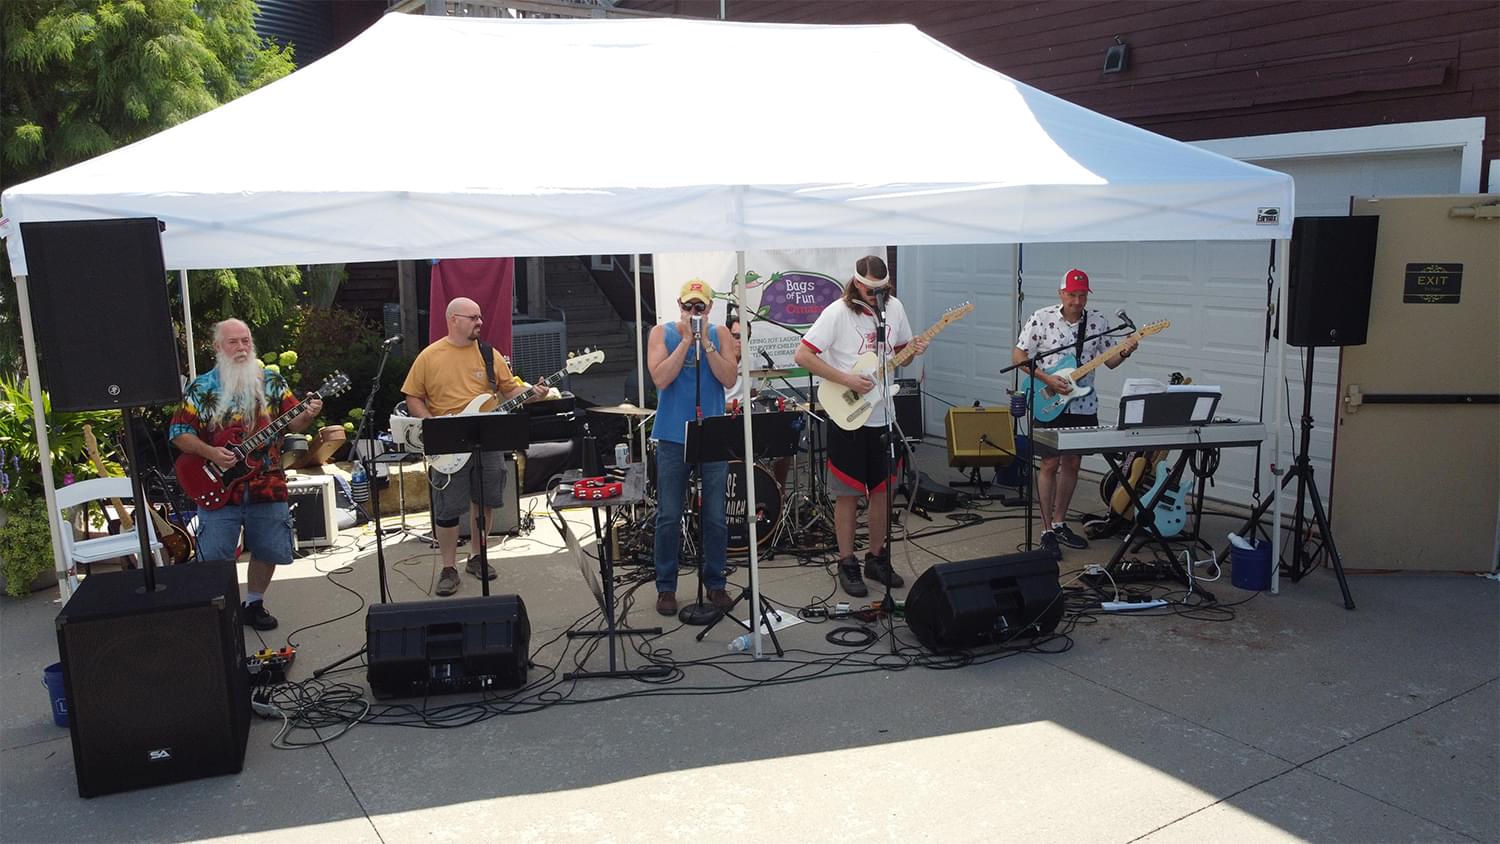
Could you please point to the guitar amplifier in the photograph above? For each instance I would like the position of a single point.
(506, 520)
(909, 408)
(311, 499)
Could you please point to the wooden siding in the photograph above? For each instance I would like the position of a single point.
(1209, 68)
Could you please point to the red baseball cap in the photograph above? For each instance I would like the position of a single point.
(1075, 280)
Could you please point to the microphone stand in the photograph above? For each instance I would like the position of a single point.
(887, 603)
(1035, 361)
(700, 612)
(367, 461)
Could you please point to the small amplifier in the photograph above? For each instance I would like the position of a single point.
(311, 499)
(419, 648)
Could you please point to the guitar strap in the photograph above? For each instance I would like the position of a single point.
(1083, 330)
(487, 352)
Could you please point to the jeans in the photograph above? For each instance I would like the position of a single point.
(671, 494)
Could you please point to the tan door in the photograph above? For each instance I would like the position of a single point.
(1416, 473)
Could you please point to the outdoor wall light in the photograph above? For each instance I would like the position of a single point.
(1117, 57)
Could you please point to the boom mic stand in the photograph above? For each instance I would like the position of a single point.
(1035, 361)
(367, 461)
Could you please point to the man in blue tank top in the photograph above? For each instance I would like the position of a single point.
(690, 367)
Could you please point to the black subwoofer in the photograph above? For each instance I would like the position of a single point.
(422, 648)
(156, 683)
(98, 293)
(1330, 276)
(993, 600)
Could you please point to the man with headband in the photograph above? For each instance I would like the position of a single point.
(857, 459)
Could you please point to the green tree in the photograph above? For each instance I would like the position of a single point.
(82, 77)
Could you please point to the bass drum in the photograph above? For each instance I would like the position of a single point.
(767, 508)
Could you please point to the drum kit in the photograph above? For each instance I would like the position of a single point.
(797, 515)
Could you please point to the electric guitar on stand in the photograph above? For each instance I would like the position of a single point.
(1047, 405)
(485, 403)
(213, 487)
(176, 542)
(847, 408)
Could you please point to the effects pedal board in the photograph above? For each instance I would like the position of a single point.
(267, 667)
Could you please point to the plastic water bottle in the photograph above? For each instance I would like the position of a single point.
(359, 485)
(740, 643)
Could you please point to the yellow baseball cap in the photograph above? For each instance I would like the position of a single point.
(698, 289)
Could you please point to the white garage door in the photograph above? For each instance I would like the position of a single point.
(1214, 293)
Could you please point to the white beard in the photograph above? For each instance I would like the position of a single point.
(242, 388)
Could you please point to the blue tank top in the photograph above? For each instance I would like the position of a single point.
(675, 404)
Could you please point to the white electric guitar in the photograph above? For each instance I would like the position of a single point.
(490, 403)
(847, 408)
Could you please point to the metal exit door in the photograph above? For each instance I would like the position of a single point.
(1416, 478)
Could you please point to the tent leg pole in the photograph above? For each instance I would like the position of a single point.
(187, 325)
(43, 442)
(1283, 255)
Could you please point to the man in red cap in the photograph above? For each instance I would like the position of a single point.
(1066, 325)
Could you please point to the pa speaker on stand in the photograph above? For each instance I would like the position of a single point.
(114, 268)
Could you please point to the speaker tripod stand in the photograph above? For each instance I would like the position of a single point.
(1307, 489)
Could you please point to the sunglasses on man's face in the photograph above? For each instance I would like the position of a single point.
(695, 307)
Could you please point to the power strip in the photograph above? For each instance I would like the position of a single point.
(1131, 606)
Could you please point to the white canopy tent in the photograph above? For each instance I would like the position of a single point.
(447, 138)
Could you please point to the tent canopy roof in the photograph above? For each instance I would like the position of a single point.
(431, 137)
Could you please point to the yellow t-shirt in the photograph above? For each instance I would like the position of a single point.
(448, 377)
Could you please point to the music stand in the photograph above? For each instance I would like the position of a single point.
(722, 438)
(708, 440)
(476, 433)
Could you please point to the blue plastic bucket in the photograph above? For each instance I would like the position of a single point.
(1251, 569)
(57, 694)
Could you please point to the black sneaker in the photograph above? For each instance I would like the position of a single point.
(879, 570)
(1049, 544)
(255, 615)
(849, 579)
(447, 582)
(1067, 537)
(473, 567)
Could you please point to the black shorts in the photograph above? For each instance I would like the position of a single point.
(1072, 420)
(856, 460)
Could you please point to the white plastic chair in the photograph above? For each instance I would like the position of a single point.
(98, 549)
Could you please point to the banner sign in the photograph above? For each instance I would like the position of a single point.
(786, 290)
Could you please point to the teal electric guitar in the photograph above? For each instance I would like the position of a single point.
(1170, 513)
(1047, 405)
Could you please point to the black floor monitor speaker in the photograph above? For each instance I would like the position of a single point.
(156, 684)
(992, 600)
(420, 648)
(126, 357)
(1328, 280)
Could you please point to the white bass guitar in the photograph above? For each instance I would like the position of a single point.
(487, 403)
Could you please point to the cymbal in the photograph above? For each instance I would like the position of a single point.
(625, 409)
(770, 373)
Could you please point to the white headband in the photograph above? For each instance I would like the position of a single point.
(872, 283)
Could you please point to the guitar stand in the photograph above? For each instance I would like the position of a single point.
(1144, 523)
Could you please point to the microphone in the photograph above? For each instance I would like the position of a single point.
(391, 341)
(696, 323)
(1125, 318)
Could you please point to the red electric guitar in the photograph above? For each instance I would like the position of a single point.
(213, 487)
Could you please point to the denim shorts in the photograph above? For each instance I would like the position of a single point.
(268, 532)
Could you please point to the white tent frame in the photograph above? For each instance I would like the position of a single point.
(1023, 167)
